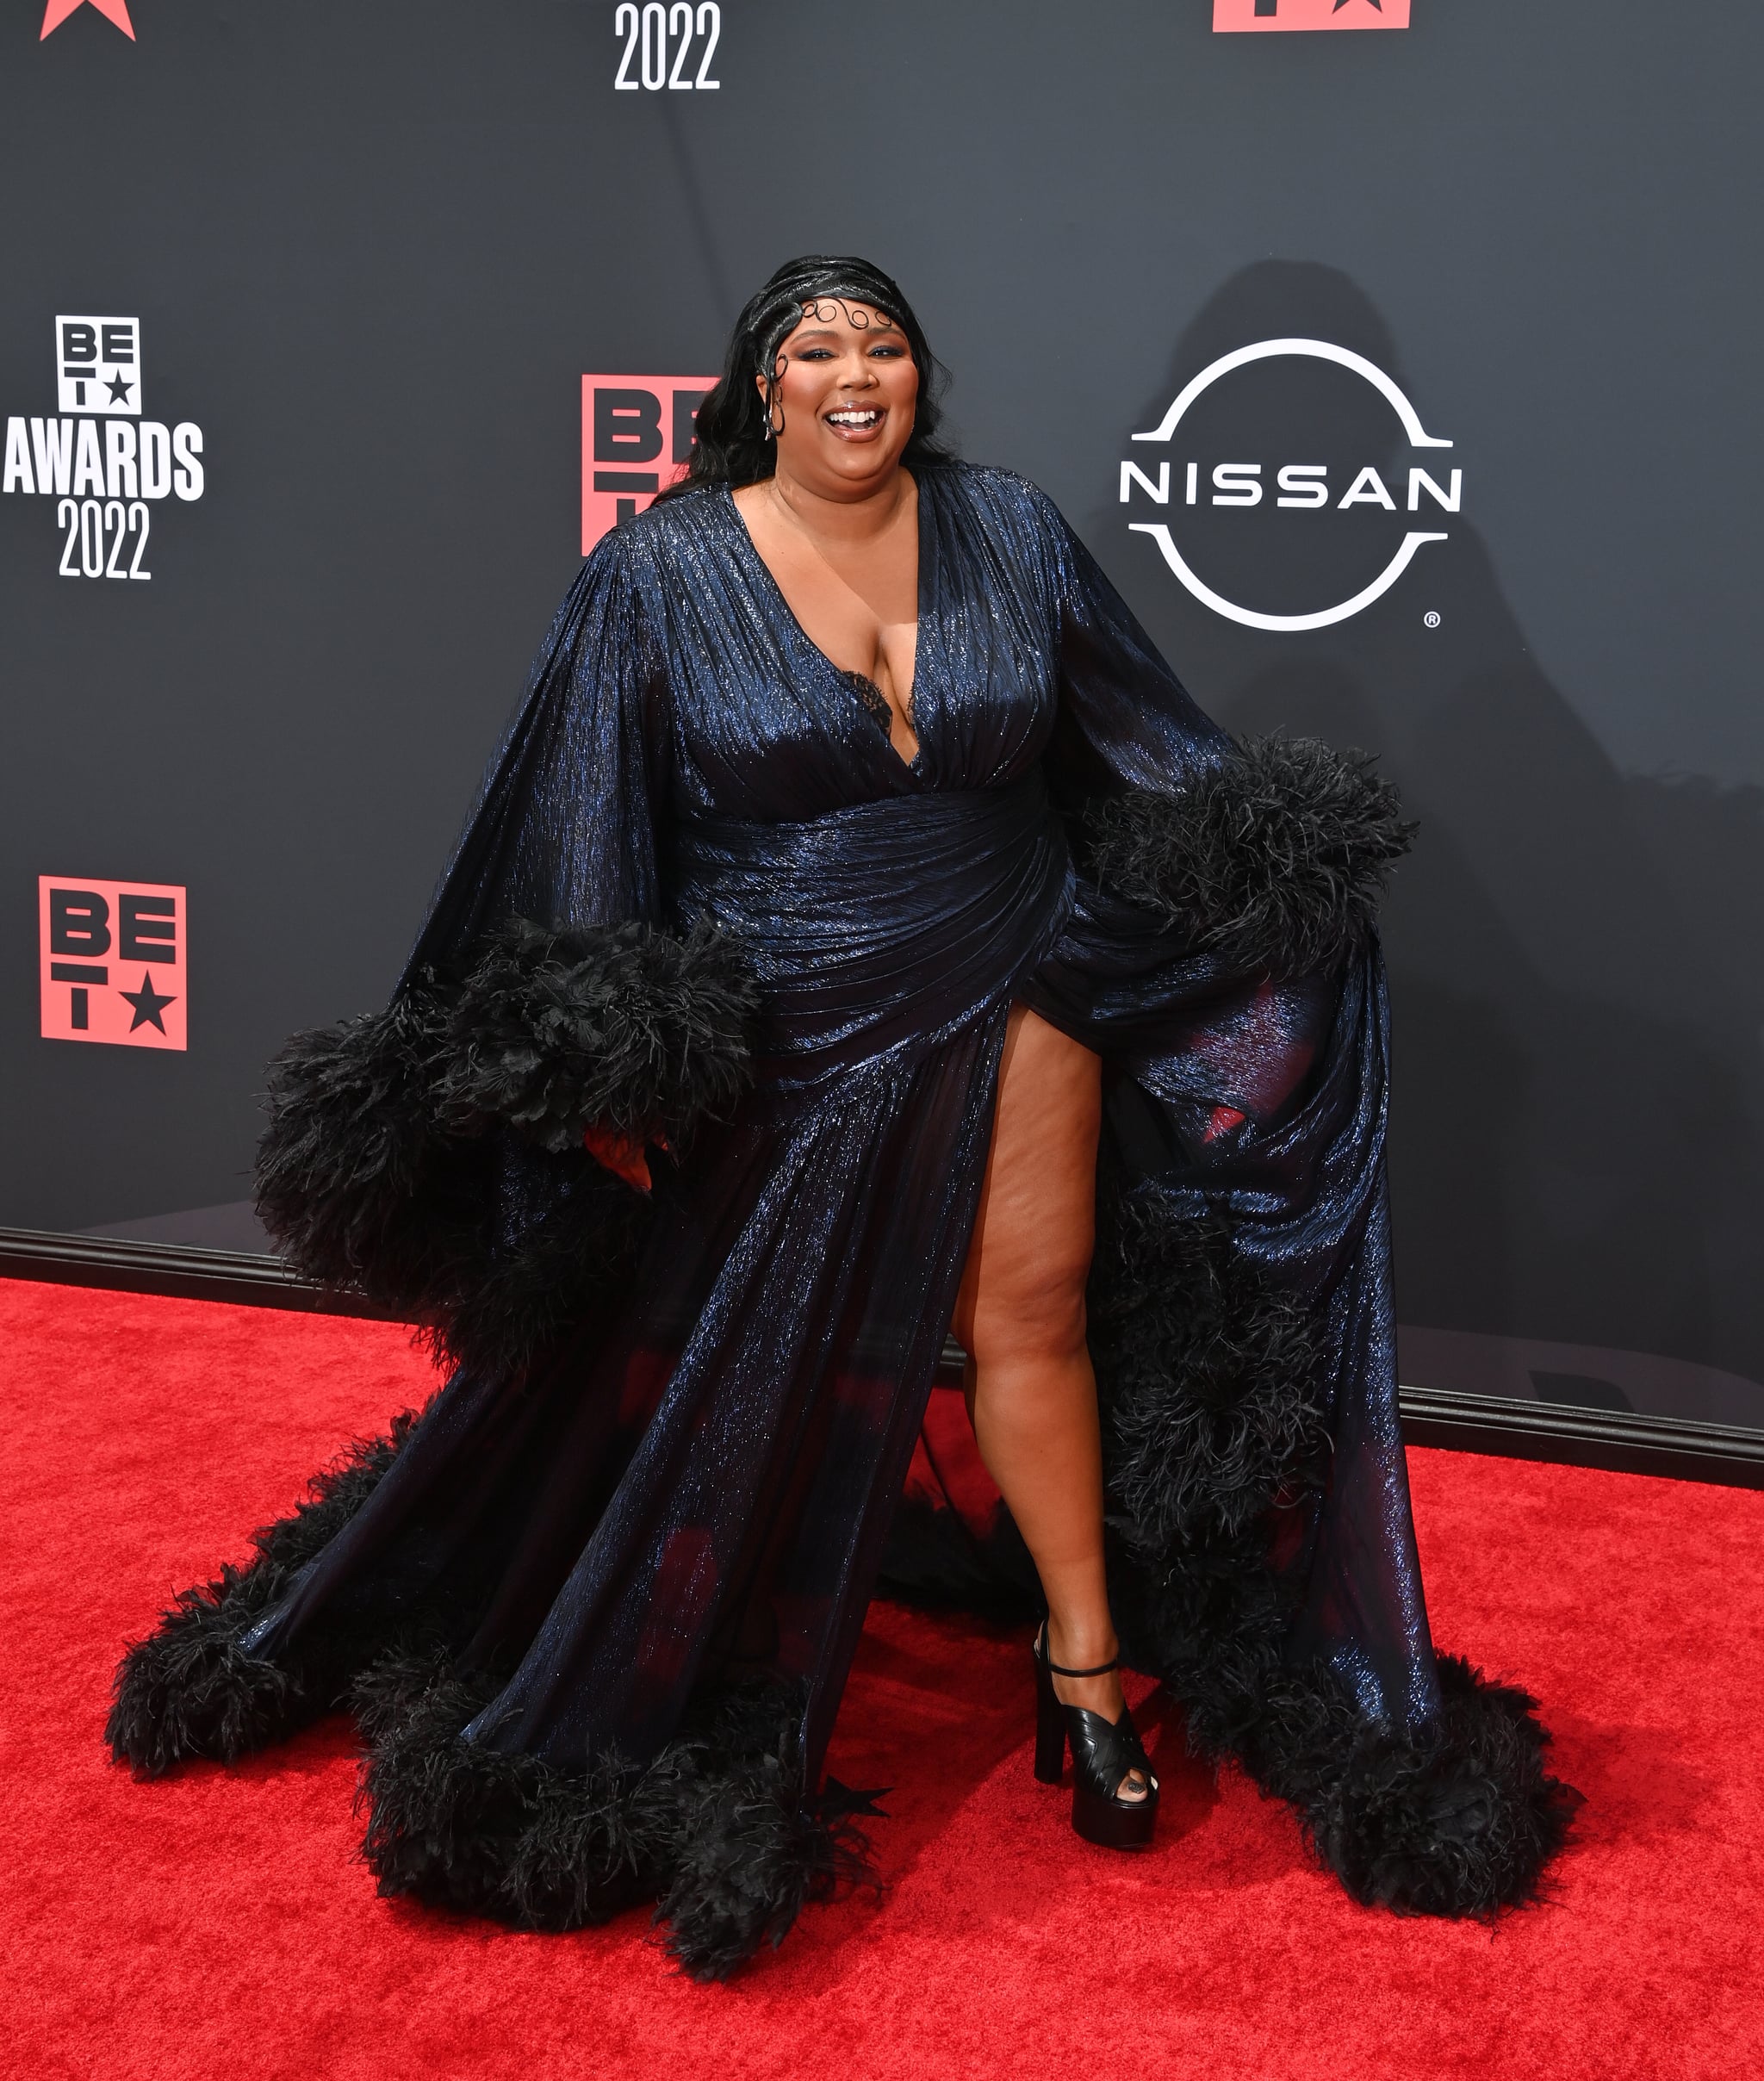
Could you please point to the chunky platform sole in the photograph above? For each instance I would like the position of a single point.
(1102, 1756)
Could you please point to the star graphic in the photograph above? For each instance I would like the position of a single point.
(119, 390)
(148, 1003)
(113, 10)
(1378, 5)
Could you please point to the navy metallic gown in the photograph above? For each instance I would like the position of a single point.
(595, 1608)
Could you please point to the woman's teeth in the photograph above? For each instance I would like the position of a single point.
(851, 416)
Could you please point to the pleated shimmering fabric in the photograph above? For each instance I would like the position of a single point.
(720, 1463)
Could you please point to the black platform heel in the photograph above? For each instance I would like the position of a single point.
(1102, 1755)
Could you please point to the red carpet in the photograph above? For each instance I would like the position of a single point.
(218, 1924)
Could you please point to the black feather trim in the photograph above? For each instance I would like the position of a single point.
(1275, 860)
(716, 1828)
(1207, 1381)
(1207, 1376)
(1458, 1819)
(619, 1025)
(509, 1303)
(378, 1172)
(355, 1180)
(333, 1496)
(463, 1826)
(188, 1689)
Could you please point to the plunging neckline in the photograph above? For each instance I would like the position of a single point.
(840, 672)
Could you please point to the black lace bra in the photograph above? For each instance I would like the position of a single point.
(878, 702)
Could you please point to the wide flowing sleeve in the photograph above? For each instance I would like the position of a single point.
(431, 1155)
(564, 829)
(1222, 957)
(1124, 720)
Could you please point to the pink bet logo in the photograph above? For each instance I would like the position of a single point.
(636, 436)
(112, 961)
(1233, 14)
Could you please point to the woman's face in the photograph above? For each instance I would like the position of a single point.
(842, 403)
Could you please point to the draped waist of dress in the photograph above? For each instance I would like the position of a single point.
(881, 926)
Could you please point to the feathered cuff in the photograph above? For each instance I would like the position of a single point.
(618, 1026)
(355, 1178)
(1275, 860)
(376, 1171)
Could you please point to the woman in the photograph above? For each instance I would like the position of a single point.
(858, 920)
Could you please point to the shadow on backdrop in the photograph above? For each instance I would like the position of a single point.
(1577, 1149)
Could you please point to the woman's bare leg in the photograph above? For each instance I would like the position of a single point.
(1020, 1316)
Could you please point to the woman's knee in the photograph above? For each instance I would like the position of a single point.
(1041, 1320)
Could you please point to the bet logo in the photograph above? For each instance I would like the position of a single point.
(98, 364)
(1230, 14)
(112, 961)
(56, 12)
(1301, 487)
(636, 436)
(106, 466)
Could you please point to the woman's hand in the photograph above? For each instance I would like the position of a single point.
(625, 1155)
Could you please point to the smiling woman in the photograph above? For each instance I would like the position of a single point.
(853, 848)
(837, 522)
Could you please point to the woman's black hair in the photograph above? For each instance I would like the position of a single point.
(731, 447)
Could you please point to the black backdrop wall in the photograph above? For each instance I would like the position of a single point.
(369, 255)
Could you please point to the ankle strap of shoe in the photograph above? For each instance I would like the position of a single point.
(1102, 1668)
